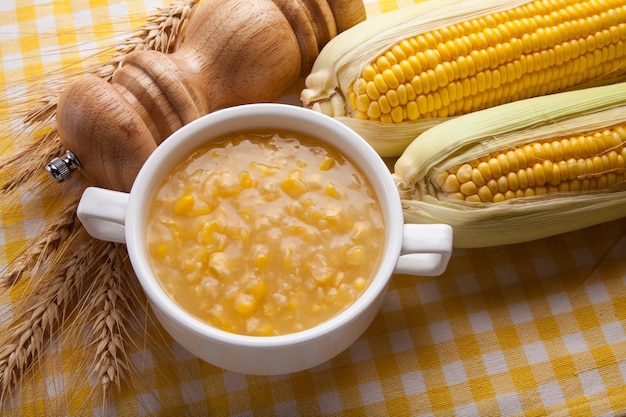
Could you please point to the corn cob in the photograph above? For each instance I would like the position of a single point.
(395, 75)
(520, 171)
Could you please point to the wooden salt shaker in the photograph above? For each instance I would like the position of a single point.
(234, 52)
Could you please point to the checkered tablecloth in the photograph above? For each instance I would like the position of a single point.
(529, 329)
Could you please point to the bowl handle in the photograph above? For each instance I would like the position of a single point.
(103, 213)
(426, 249)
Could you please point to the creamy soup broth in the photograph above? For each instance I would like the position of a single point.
(265, 233)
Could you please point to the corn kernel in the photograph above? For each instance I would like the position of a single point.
(258, 289)
(261, 258)
(359, 231)
(451, 184)
(319, 268)
(265, 169)
(245, 303)
(190, 266)
(332, 191)
(293, 186)
(332, 216)
(245, 180)
(380, 83)
(354, 256)
(184, 205)
(369, 72)
(464, 173)
(290, 257)
(359, 284)
(264, 330)
(206, 234)
(161, 251)
(468, 188)
(219, 263)
(327, 163)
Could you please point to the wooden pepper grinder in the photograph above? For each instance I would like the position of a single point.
(234, 52)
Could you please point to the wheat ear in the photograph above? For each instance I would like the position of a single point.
(113, 320)
(34, 257)
(110, 309)
(26, 337)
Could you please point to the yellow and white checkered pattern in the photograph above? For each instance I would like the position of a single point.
(531, 329)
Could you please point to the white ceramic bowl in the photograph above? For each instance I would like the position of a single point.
(410, 249)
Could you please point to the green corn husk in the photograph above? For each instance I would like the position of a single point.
(478, 134)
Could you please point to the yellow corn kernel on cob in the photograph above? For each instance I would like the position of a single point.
(397, 74)
(520, 171)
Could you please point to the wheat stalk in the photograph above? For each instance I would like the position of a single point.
(109, 305)
(33, 259)
(111, 308)
(28, 164)
(117, 318)
(47, 307)
(160, 33)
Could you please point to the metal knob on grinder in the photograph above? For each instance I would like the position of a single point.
(60, 169)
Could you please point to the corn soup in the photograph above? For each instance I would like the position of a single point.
(265, 234)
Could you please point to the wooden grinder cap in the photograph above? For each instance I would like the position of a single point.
(233, 52)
